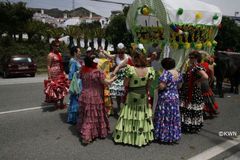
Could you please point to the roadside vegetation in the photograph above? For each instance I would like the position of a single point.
(16, 21)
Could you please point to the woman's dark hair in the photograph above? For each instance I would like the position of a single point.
(139, 59)
(88, 61)
(73, 50)
(168, 63)
(54, 43)
(196, 55)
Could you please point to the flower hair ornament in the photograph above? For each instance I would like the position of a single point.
(140, 49)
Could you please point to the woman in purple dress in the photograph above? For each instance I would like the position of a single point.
(167, 121)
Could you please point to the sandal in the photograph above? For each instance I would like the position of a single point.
(63, 106)
(86, 142)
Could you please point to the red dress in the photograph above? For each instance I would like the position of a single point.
(93, 118)
(211, 105)
(56, 87)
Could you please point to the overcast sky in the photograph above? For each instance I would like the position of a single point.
(228, 7)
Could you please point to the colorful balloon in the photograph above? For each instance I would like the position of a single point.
(180, 11)
(198, 15)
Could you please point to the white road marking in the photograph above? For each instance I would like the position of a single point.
(25, 109)
(216, 150)
(236, 156)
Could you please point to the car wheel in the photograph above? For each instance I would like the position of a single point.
(5, 75)
(32, 75)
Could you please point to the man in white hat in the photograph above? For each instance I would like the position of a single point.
(117, 88)
(120, 46)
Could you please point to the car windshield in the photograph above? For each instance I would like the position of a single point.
(22, 59)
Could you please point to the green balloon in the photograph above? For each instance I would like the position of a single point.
(215, 17)
(180, 11)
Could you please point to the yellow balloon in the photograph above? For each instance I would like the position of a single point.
(198, 15)
(209, 44)
(198, 45)
(175, 45)
(187, 45)
(145, 11)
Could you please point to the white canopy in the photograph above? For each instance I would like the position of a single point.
(166, 12)
(190, 8)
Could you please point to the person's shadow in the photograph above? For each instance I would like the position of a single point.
(48, 107)
(72, 127)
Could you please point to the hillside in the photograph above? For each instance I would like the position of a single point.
(55, 12)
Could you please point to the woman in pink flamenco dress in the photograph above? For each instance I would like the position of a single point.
(93, 118)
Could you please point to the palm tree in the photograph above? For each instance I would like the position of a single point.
(22, 16)
(56, 33)
(33, 28)
(99, 34)
(71, 32)
(47, 32)
(5, 16)
(79, 34)
(85, 31)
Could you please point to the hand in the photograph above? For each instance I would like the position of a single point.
(153, 56)
(113, 78)
(113, 75)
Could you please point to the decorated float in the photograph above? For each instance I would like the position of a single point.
(178, 26)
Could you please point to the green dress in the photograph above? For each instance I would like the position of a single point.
(134, 125)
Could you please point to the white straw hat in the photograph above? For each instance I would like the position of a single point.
(95, 60)
(120, 45)
(140, 46)
(89, 49)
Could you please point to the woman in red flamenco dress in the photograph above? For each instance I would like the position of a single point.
(56, 87)
(211, 106)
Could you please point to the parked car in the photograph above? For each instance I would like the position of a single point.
(17, 65)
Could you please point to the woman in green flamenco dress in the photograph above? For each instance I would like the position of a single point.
(134, 125)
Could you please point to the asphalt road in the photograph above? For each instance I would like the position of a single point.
(42, 133)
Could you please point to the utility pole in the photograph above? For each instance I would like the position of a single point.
(73, 4)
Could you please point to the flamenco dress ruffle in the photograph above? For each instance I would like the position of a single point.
(134, 125)
(93, 119)
(56, 89)
(75, 91)
(211, 106)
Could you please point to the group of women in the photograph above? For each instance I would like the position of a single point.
(181, 102)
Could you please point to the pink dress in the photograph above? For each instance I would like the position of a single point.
(56, 87)
(56, 68)
(93, 120)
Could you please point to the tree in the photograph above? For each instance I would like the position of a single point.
(117, 31)
(79, 34)
(86, 33)
(23, 15)
(71, 32)
(13, 17)
(4, 16)
(34, 28)
(100, 32)
(57, 33)
(229, 35)
(46, 31)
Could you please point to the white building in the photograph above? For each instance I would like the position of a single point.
(78, 20)
(46, 18)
